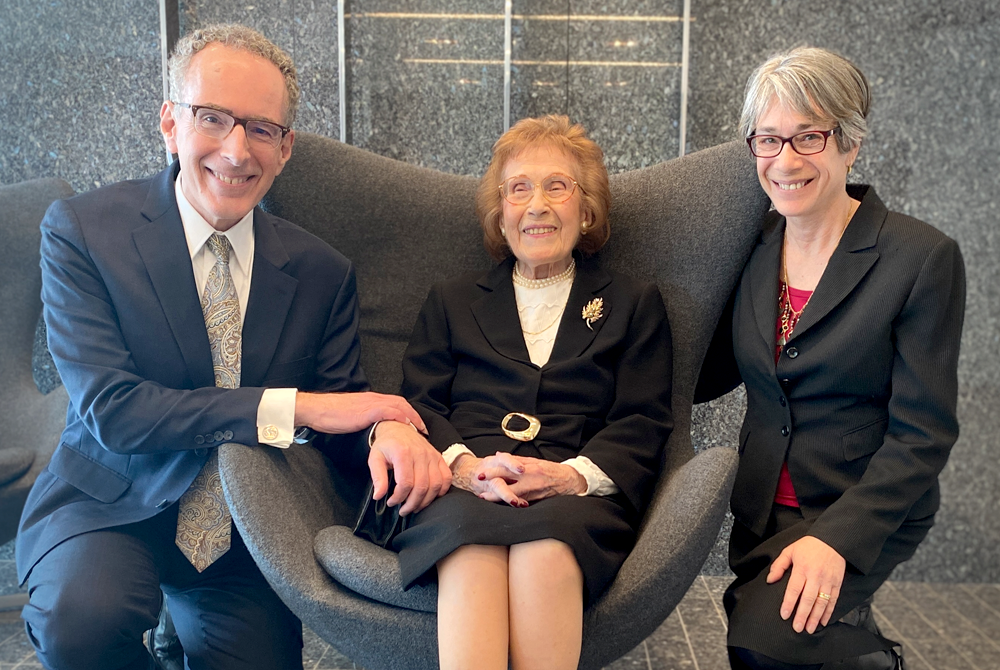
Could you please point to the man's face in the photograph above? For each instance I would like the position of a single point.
(224, 179)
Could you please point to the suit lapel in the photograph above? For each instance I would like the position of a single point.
(574, 335)
(163, 248)
(850, 262)
(271, 294)
(496, 313)
(762, 275)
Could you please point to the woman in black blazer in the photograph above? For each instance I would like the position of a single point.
(845, 328)
(546, 384)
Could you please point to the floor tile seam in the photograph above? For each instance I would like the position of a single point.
(321, 657)
(897, 635)
(725, 622)
(22, 661)
(971, 624)
(687, 638)
(12, 636)
(934, 627)
(978, 599)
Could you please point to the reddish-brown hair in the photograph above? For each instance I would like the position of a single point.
(557, 132)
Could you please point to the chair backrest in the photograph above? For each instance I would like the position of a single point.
(687, 224)
(22, 207)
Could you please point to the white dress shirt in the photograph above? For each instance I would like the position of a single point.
(277, 406)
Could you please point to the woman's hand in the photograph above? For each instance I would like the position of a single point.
(515, 480)
(817, 569)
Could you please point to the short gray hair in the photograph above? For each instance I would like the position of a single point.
(819, 84)
(239, 37)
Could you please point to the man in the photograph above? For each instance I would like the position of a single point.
(181, 316)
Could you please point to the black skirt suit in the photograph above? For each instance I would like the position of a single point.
(861, 403)
(604, 393)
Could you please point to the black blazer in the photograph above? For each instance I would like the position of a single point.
(862, 401)
(603, 394)
(126, 330)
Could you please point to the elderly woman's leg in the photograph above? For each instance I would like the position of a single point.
(472, 608)
(546, 606)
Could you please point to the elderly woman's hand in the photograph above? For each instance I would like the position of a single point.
(515, 480)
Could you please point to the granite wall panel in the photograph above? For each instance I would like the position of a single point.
(80, 92)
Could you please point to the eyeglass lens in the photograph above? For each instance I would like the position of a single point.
(556, 188)
(807, 143)
(213, 123)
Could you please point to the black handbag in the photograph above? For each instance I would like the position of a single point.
(378, 522)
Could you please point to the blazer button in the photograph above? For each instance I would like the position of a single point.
(218, 436)
(782, 401)
(209, 438)
(228, 435)
(792, 352)
(199, 439)
(164, 504)
(784, 431)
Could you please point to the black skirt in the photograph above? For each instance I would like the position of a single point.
(597, 528)
(753, 605)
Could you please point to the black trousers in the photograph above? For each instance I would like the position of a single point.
(753, 605)
(93, 596)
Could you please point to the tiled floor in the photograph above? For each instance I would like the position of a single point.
(942, 627)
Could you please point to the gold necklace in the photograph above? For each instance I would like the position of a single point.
(539, 332)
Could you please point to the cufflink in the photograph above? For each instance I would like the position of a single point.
(269, 432)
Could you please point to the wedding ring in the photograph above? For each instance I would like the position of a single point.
(824, 596)
(526, 435)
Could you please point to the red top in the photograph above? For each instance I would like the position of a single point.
(785, 494)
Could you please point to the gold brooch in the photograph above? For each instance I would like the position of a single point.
(593, 311)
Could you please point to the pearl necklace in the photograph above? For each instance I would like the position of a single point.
(521, 280)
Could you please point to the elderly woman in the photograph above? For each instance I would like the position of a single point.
(845, 329)
(546, 384)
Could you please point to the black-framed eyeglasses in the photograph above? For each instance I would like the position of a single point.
(806, 143)
(217, 124)
(557, 188)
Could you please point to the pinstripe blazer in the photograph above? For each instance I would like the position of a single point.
(862, 401)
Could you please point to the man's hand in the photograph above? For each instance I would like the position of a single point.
(337, 413)
(817, 569)
(420, 471)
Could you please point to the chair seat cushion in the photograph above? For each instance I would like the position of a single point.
(369, 570)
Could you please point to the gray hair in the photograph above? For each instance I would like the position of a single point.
(235, 37)
(818, 84)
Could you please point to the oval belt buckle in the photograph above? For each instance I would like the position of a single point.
(526, 435)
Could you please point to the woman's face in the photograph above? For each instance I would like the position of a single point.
(542, 234)
(802, 187)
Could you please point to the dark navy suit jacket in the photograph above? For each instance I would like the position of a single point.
(126, 330)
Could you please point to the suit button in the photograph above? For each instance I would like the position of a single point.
(784, 382)
(199, 439)
(209, 438)
(164, 504)
(782, 401)
(228, 435)
(792, 352)
(218, 436)
(784, 431)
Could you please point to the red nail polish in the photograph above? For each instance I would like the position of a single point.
(482, 477)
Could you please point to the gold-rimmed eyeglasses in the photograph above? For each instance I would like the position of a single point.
(217, 124)
(557, 188)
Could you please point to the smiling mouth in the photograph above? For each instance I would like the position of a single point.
(792, 187)
(540, 231)
(232, 181)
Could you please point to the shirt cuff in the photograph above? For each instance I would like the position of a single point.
(276, 418)
(598, 483)
(452, 453)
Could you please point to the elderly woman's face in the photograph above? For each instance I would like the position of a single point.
(542, 234)
(802, 187)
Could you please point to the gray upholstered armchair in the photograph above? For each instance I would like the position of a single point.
(30, 422)
(687, 224)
